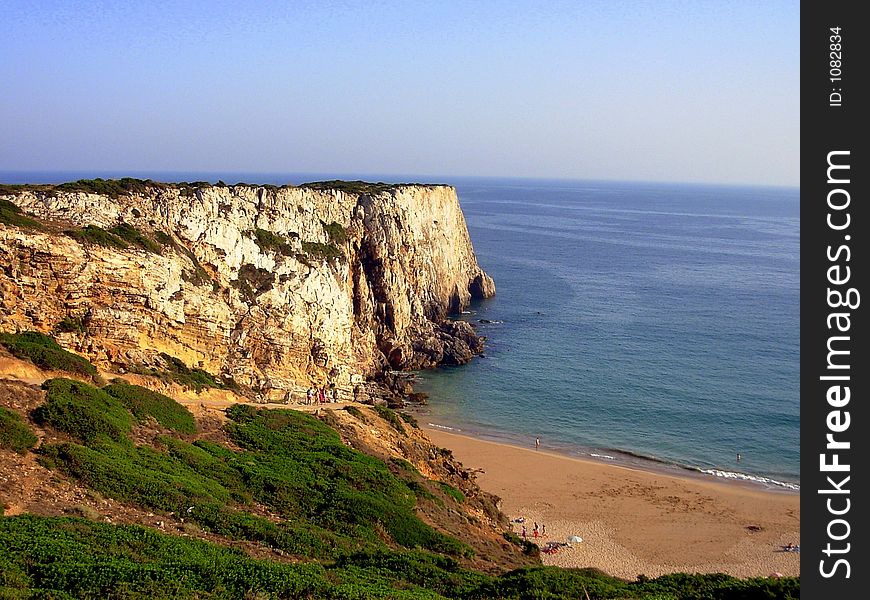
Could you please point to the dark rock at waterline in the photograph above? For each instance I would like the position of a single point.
(482, 287)
(418, 397)
(451, 343)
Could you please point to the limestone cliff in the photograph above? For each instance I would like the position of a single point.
(277, 288)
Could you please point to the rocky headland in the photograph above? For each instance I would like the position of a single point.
(270, 289)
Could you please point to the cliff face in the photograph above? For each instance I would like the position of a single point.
(276, 288)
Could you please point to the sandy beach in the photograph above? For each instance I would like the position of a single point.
(636, 522)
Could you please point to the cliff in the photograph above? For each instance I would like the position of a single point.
(273, 288)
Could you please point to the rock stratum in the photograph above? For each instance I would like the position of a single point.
(273, 288)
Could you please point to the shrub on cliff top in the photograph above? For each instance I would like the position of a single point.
(15, 435)
(83, 411)
(143, 403)
(108, 187)
(45, 353)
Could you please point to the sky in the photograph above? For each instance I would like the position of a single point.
(635, 90)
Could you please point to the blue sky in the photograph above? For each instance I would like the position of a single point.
(635, 90)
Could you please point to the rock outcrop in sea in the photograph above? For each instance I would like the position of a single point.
(273, 288)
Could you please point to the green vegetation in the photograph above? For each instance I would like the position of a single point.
(354, 187)
(356, 413)
(83, 411)
(134, 237)
(268, 240)
(15, 435)
(144, 403)
(321, 251)
(253, 281)
(119, 237)
(92, 234)
(451, 491)
(333, 499)
(75, 558)
(410, 419)
(45, 353)
(337, 234)
(10, 214)
(195, 379)
(71, 324)
(348, 523)
(390, 417)
(113, 188)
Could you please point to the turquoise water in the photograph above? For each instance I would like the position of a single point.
(633, 322)
(657, 321)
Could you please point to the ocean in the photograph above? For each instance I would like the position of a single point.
(637, 323)
(647, 324)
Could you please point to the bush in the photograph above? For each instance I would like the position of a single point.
(390, 417)
(45, 353)
(134, 237)
(97, 235)
(267, 241)
(451, 491)
(337, 234)
(113, 188)
(71, 324)
(83, 411)
(144, 403)
(321, 251)
(352, 187)
(253, 281)
(410, 420)
(15, 435)
(177, 372)
(10, 214)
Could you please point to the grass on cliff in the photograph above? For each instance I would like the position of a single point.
(343, 513)
(10, 214)
(144, 403)
(45, 353)
(118, 237)
(268, 240)
(60, 557)
(332, 499)
(176, 371)
(15, 434)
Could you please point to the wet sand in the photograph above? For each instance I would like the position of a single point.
(636, 522)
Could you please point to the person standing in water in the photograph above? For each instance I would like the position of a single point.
(538, 444)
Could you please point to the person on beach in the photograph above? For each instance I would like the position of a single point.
(322, 395)
(535, 530)
(310, 396)
(524, 532)
(537, 443)
(543, 530)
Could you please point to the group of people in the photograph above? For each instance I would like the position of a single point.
(536, 531)
(321, 395)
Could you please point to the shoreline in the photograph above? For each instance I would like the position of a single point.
(632, 520)
(625, 458)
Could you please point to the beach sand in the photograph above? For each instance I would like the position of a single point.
(636, 522)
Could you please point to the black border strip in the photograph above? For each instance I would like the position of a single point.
(834, 221)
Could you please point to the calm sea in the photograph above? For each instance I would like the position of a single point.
(633, 322)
